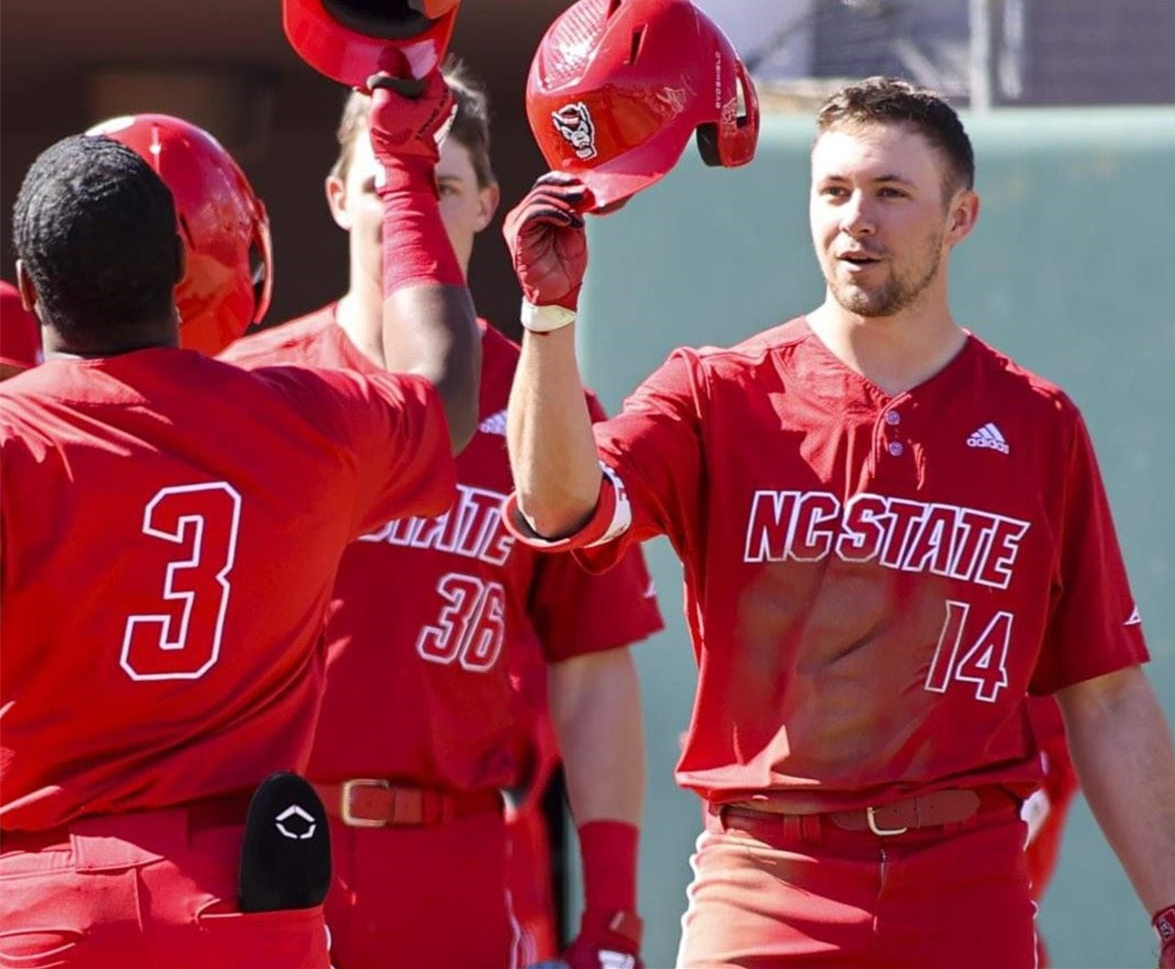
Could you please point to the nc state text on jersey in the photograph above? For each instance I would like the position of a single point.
(472, 527)
(962, 543)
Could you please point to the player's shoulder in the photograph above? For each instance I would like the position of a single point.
(293, 341)
(747, 354)
(1009, 380)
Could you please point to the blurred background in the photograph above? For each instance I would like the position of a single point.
(1070, 103)
(225, 65)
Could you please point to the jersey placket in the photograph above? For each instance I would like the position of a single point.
(893, 455)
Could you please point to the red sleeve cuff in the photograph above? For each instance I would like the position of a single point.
(612, 517)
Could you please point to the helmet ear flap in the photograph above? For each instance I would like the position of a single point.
(706, 137)
(731, 141)
(261, 263)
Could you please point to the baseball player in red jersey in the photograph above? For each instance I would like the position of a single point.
(417, 732)
(891, 534)
(162, 620)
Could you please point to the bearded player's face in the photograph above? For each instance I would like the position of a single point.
(882, 222)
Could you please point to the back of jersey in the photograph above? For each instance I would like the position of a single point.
(171, 530)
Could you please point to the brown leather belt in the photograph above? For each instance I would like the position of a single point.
(372, 802)
(897, 817)
(224, 811)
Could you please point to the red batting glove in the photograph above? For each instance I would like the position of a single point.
(606, 940)
(1164, 923)
(409, 119)
(548, 246)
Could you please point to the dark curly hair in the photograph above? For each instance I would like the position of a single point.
(889, 100)
(96, 230)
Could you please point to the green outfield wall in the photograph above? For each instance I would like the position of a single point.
(1071, 270)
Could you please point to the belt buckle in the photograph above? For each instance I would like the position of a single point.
(350, 819)
(881, 832)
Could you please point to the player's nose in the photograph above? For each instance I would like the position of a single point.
(855, 217)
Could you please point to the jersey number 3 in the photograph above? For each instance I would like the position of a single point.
(182, 640)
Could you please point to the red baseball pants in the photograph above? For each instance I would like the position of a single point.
(147, 889)
(421, 896)
(770, 893)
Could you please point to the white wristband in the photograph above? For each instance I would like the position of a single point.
(544, 319)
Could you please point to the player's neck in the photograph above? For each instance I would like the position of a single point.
(147, 336)
(895, 353)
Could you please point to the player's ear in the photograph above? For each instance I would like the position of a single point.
(337, 201)
(963, 214)
(26, 288)
(487, 199)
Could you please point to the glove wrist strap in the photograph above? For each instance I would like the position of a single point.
(544, 319)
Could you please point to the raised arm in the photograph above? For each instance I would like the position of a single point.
(1122, 749)
(429, 323)
(549, 434)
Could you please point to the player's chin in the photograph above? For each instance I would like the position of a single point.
(863, 302)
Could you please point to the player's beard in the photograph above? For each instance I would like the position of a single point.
(896, 293)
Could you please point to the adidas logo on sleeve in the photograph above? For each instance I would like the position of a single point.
(988, 436)
(494, 424)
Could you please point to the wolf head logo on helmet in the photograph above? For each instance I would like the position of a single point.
(574, 122)
(228, 279)
(349, 40)
(626, 83)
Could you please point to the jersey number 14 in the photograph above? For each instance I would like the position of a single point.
(982, 660)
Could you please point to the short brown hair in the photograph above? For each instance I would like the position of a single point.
(471, 126)
(889, 100)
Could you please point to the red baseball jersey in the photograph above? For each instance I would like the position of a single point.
(171, 530)
(873, 582)
(426, 610)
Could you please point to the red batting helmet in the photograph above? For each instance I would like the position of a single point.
(617, 87)
(349, 40)
(229, 277)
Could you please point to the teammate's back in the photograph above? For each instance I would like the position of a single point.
(173, 524)
(170, 529)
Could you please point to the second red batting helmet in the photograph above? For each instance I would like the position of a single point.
(617, 88)
(228, 280)
(349, 40)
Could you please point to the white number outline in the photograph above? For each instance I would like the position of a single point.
(475, 610)
(179, 641)
(980, 653)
